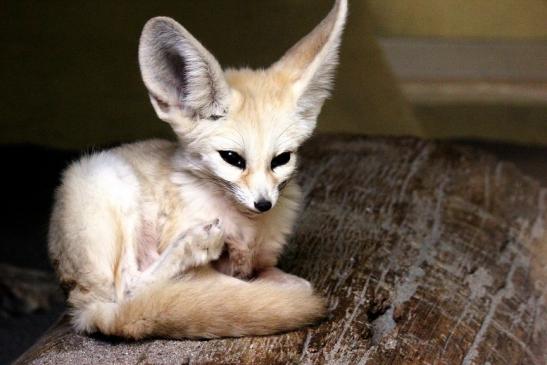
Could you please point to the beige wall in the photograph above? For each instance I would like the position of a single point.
(498, 19)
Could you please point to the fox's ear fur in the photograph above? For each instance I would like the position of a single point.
(183, 79)
(310, 64)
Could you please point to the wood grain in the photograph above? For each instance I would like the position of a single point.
(428, 253)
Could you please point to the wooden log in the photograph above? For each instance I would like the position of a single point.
(429, 253)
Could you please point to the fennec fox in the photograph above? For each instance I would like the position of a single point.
(181, 239)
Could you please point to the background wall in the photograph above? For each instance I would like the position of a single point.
(70, 77)
(471, 69)
(493, 19)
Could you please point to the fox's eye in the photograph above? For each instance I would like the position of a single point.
(233, 159)
(281, 159)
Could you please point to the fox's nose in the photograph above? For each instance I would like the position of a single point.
(263, 205)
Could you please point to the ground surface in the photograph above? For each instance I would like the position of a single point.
(427, 253)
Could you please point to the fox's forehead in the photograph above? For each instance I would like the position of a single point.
(259, 92)
(260, 118)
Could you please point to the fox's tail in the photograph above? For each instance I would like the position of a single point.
(208, 307)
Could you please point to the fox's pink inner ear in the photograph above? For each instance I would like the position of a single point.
(184, 80)
(310, 63)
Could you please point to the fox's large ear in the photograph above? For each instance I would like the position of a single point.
(310, 64)
(183, 79)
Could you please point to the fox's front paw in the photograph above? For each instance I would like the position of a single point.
(202, 244)
(214, 240)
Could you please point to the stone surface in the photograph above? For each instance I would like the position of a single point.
(24, 291)
(428, 253)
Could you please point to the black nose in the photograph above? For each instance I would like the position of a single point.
(263, 205)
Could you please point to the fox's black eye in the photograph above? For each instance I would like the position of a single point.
(281, 159)
(233, 159)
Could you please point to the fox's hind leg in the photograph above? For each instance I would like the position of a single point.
(279, 276)
(195, 247)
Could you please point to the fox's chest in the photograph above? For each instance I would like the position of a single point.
(169, 222)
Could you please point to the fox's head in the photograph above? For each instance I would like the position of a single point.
(240, 128)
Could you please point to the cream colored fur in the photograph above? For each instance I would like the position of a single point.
(164, 239)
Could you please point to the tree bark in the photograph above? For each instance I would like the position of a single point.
(428, 253)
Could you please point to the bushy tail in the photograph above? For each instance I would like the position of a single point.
(210, 307)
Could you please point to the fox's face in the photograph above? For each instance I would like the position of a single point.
(251, 151)
(240, 128)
